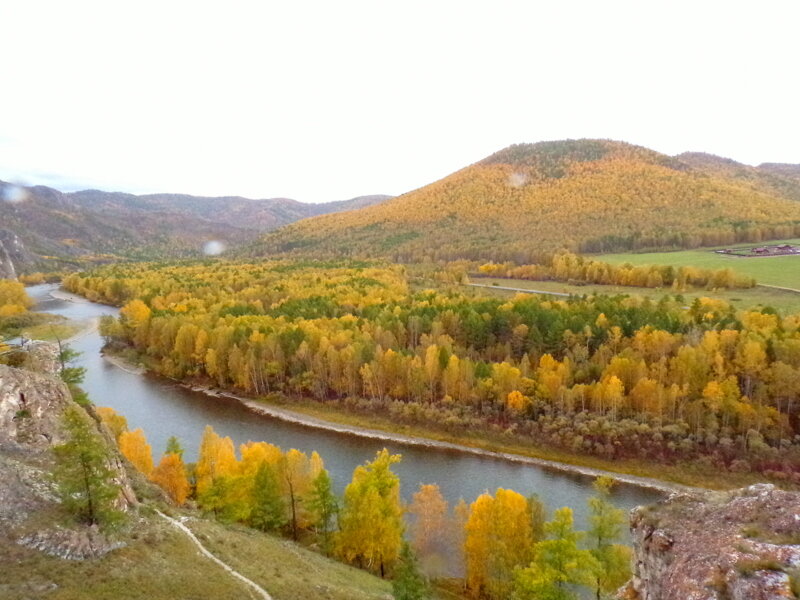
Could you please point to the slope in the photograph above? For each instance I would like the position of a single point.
(42, 228)
(529, 199)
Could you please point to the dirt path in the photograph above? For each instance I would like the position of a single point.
(261, 592)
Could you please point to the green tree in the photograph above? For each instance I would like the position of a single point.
(558, 566)
(269, 510)
(84, 479)
(174, 446)
(605, 528)
(408, 583)
(324, 506)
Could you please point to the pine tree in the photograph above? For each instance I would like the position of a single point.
(268, 511)
(408, 583)
(85, 480)
(174, 446)
(324, 506)
(605, 529)
(558, 566)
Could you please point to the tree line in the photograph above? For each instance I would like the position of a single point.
(568, 267)
(503, 540)
(617, 377)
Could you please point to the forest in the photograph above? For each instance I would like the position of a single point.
(612, 377)
(502, 542)
(572, 268)
(530, 200)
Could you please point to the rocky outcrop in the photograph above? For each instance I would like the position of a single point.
(7, 270)
(31, 409)
(31, 406)
(742, 545)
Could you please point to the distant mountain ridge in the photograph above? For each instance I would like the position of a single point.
(57, 230)
(529, 200)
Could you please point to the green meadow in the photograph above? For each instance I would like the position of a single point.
(782, 271)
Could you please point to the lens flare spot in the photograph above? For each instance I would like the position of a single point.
(213, 248)
(13, 193)
(517, 179)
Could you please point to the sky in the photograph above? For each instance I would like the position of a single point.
(323, 101)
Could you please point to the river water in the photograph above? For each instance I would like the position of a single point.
(162, 409)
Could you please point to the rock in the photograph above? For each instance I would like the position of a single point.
(31, 409)
(71, 544)
(741, 545)
(31, 405)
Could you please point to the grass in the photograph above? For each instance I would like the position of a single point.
(286, 570)
(39, 326)
(783, 301)
(782, 271)
(159, 563)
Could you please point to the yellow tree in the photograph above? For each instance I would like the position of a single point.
(115, 422)
(499, 539)
(134, 447)
(217, 459)
(429, 528)
(170, 475)
(371, 522)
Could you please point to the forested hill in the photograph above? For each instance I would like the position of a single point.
(583, 195)
(46, 229)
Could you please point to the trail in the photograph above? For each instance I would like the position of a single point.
(188, 532)
(521, 290)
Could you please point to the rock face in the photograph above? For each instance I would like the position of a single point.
(741, 545)
(31, 409)
(31, 405)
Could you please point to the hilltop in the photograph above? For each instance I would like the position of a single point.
(583, 195)
(43, 228)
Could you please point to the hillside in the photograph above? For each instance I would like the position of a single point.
(42, 228)
(585, 195)
(48, 551)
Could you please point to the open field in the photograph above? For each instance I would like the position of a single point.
(772, 270)
(783, 301)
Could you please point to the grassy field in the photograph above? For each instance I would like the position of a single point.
(778, 270)
(160, 563)
(783, 301)
(286, 570)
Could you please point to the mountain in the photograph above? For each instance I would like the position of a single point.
(583, 195)
(43, 228)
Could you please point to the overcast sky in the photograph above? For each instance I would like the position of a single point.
(328, 100)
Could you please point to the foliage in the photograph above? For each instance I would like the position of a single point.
(170, 475)
(83, 476)
(116, 423)
(565, 266)
(408, 583)
(324, 507)
(371, 521)
(135, 448)
(499, 539)
(429, 526)
(616, 377)
(533, 199)
(13, 298)
(606, 523)
(558, 563)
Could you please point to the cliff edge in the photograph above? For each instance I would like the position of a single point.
(738, 545)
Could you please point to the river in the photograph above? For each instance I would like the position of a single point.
(162, 409)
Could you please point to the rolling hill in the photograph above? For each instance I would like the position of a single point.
(584, 195)
(43, 228)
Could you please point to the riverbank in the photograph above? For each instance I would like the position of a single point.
(317, 417)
